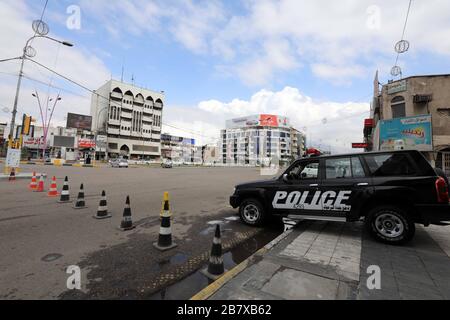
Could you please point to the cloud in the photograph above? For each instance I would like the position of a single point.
(78, 62)
(322, 121)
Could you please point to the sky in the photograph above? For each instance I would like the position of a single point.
(313, 61)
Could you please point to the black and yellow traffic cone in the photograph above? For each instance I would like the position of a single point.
(165, 231)
(80, 204)
(127, 223)
(12, 175)
(215, 267)
(65, 194)
(102, 211)
(165, 207)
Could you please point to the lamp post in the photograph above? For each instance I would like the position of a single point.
(41, 30)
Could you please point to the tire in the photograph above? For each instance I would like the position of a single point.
(390, 224)
(252, 212)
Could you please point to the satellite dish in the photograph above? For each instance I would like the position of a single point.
(402, 46)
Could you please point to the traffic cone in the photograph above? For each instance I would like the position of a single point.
(165, 207)
(102, 211)
(165, 231)
(40, 187)
(65, 195)
(127, 223)
(215, 267)
(80, 204)
(33, 183)
(12, 175)
(53, 191)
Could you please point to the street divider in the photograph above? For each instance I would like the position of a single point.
(127, 222)
(80, 203)
(102, 211)
(65, 194)
(215, 267)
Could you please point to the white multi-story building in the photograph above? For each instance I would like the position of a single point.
(260, 139)
(130, 117)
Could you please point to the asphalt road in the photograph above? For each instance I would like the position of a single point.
(40, 238)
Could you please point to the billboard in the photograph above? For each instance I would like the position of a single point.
(266, 120)
(406, 133)
(86, 143)
(79, 121)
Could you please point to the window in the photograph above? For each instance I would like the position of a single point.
(398, 107)
(386, 165)
(304, 170)
(338, 168)
(357, 168)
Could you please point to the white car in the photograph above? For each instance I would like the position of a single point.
(119, 163)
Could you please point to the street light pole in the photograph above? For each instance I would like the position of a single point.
(41, 31)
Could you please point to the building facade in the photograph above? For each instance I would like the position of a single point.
(412, 113)
(131, 119)
(179, 149)
(260, 140)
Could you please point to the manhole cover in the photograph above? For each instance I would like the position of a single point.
(51, 257)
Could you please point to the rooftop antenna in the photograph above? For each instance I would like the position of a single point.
(123, 62)
(132, 79)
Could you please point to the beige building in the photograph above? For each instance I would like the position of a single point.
(131, 117)
(421, 107)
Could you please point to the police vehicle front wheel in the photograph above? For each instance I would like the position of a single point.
(390, 224)
(252, 212)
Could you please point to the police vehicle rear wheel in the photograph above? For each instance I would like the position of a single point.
(252, 212)
(390, 224)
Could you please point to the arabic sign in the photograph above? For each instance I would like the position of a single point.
(398, 86)
(34, 142)
(407, 133)
(86, 143)
(266, 120)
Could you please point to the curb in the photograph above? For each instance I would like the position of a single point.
(207, 292)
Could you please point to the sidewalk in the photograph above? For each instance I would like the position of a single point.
(328, 260)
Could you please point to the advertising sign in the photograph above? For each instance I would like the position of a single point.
(101, 143)
(34, 143)
(407, 133)
(13, 158)
(79, 121)
(266, 120)
(360, 145)
(86, 143)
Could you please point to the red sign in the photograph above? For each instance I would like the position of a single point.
(313, 151)
(361, 145)
(268, 120)
(86, 143)
(368, 123)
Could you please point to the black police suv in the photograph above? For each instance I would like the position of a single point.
(391, 191)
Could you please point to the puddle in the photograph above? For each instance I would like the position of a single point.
(195, 282)
(214, 222)
(179, 258)
(51, 257)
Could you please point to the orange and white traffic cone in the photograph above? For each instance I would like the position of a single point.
(40, 187)
(53, 191)
(33, 183)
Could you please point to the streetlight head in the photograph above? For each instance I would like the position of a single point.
(66, 43)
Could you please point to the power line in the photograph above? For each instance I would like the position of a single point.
(404, 28)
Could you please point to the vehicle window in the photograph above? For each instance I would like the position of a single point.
(338, 168)
(357, 168)
(304, 170)
(385, 165)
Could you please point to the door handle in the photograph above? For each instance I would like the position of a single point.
(362, 184)
(314, 185)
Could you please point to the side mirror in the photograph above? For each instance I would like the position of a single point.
(304, 175)
(286, 178)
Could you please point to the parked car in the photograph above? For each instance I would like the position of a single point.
(167, 164)
(390, 191)
(119, 163)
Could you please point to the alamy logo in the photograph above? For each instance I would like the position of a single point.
(374, 280)
(74, 280)
(328, 200)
